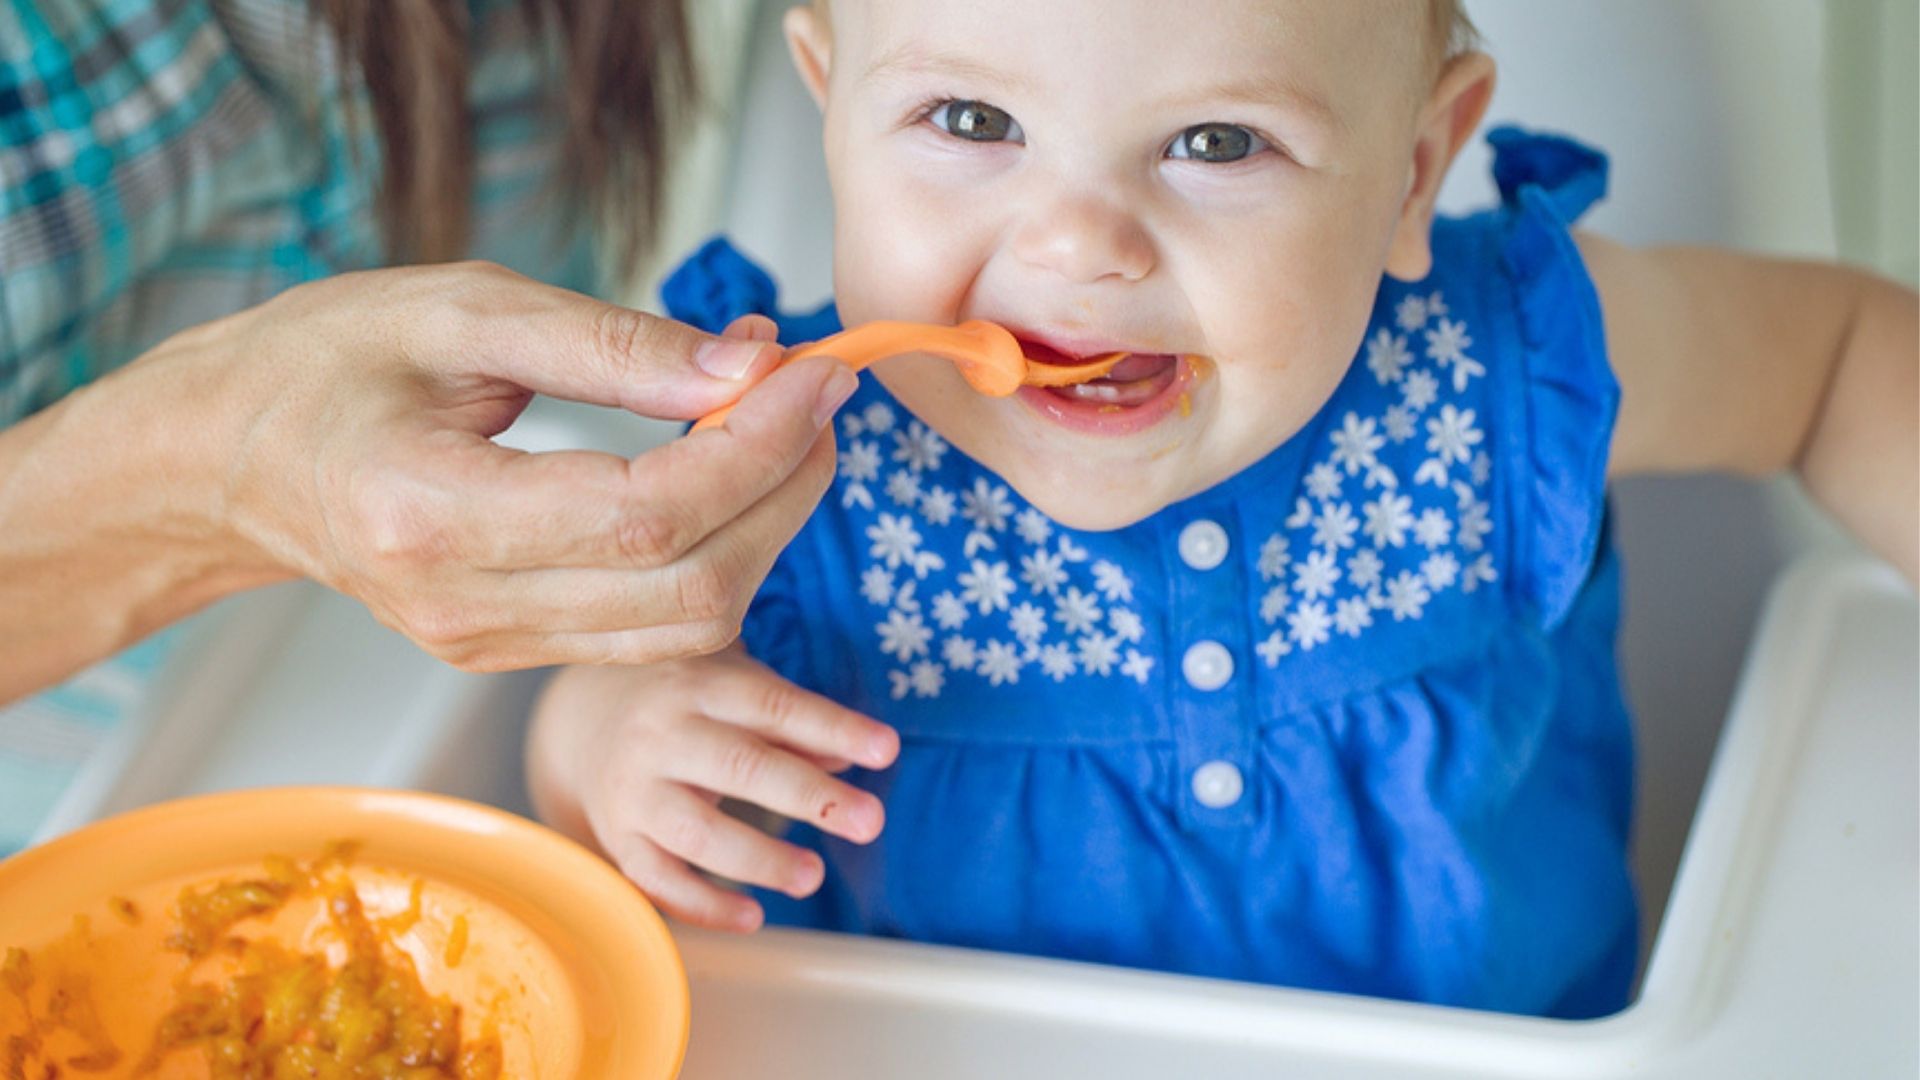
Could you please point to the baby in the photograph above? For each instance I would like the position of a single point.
(1285, 651)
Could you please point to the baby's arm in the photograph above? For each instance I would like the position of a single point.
(1751, 364)
(634, 761)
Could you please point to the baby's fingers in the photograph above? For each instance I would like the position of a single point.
(728, 761)
(684, 824)
(679, 892)
(813, 726)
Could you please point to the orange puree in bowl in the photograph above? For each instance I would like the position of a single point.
(278, 971)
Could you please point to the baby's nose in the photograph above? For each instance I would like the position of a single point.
(1085, 239)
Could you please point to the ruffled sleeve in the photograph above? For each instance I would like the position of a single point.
(775, 630)
(717, 284)
(1569, 395)
(713, 287)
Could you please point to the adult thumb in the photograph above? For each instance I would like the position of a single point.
(566, 345)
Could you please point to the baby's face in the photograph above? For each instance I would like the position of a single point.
(1215, 186)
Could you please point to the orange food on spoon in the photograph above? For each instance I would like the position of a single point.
(987, 354)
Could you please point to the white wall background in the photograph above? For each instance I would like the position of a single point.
(1725, 120)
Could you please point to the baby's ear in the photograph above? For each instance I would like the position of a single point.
(1459, 101)
(810, 43)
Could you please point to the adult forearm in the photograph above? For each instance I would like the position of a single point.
(112, 520)
(1862, 459)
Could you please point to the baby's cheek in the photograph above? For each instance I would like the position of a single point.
(897, 258)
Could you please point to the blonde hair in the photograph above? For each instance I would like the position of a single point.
(1450, 30)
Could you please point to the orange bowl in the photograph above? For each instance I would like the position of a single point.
(527, 931)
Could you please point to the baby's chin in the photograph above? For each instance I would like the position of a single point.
(1090, 497)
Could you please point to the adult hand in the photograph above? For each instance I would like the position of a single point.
(342, 432)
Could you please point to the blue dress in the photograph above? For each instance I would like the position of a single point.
(1349, 720)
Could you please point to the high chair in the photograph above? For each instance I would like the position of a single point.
(1781, 921)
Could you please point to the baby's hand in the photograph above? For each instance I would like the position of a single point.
(637, 759)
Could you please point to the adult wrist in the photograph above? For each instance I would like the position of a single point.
(112, 519)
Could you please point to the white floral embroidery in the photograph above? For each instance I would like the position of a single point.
(1335, 526)
(895, 540)
(1398, 423)
(986, 586)
(1452, 436)
(1448, 341)
(960, 653)
(1000, 663)
(1441, 570)
(1273, 557)
(1274, 604)
(905, 600)
(1112, 582)
(903, 636)
(1099, 653)
(1433, 529)
(1419, 390)
(1028, 623)
(937, 505)
(1388, 356)
(1273, 648)
(1323, 481)
(1431, 471)
(918, 447)
(988, 506)
(1407, 596)
(903, 488)
(1076, 611)
(1302, 513)
(1316, 575)
(1308, 625)
(1447, 345)
(1405, 548)
(1388, 519)
(949, 612)
(977, 621)
(1411, 314)
(860, 462)
(1033, 526)
(927, 679)
(1355, 444)
(876, 586)
(1353, 615)
(1363, 570)
(1477, 573)
(1056, 660)
(1043, 571)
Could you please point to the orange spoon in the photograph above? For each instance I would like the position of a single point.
(987, 354)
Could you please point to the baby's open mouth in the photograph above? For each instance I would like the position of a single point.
(1117, 380)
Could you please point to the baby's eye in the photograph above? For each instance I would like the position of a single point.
(1216, 143)
(976, 121)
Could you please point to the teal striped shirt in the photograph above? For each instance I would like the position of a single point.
(167, 162)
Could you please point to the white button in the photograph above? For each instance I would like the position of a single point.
(1208, 665)
(1217, 784)
(1203, 544)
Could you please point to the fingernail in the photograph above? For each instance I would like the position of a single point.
(729, 359)
(833, 394)
(807, 879)
(881, 749)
